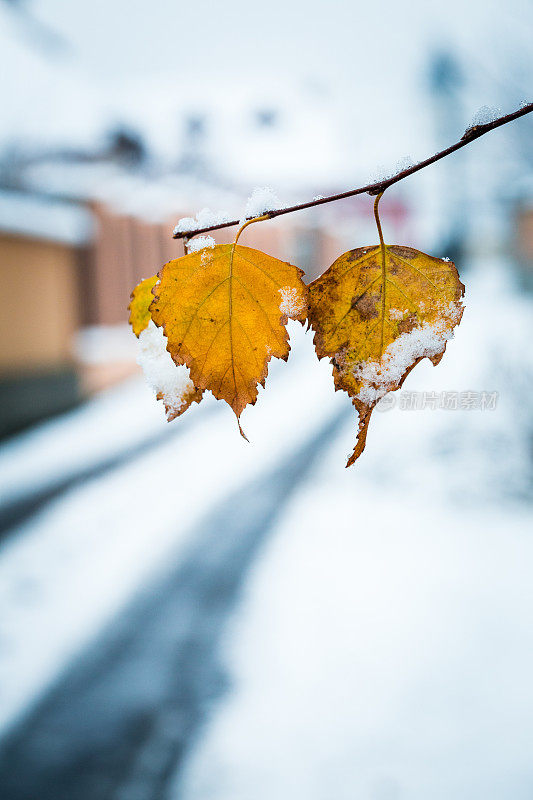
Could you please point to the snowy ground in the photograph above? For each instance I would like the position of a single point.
(383, 645)
(69, 569)
(383, 650)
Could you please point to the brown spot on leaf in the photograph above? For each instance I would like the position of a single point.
(407, 323)
(367, 305)
(404, 252)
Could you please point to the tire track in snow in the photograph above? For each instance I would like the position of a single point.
(120, 721)
(20, 509)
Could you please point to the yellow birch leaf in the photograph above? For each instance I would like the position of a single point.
(171, 383)
(224, 310)
(139, 307)
(376, 312)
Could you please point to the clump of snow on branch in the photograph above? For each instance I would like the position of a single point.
(427, 340)
(383, 173)
(380, 173)
(406, 162)
(170, 381)
(484, 115)
(292, 302)
(204, 219)
(261, 200)
(200, 243)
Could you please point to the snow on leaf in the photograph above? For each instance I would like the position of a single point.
(396, 313)
(170, 382)
(200, 243)
(354, 310)
(293, 301)
(222, 317)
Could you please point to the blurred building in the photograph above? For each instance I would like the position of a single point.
(78, 231)
(524, 219)
(522, 232)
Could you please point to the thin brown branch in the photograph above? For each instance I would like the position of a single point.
(376, 188)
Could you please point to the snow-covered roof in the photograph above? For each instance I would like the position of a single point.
(44, 218)
(124, 191)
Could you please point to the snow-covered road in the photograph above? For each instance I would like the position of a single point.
(70, 568)
(383, 650)
(384, 645)
(381, 647)
(128, 711)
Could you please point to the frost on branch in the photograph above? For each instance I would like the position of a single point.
(484, 115)
(262, 199)
(204, 219)
(383, 173)
(376, 312)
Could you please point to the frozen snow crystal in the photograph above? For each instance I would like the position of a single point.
(186, 224)
(427, 340)
(396, 313)
(382, 173)
(261, 200)
(200, 243)
(404, 163)
(204, 219)
(484, 115)
(292, 303)
(161, 373)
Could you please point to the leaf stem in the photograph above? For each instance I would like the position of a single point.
(378, 221)
(383, 271)
(249, 222)
(469, 135)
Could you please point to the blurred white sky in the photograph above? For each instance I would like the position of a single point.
(358, 68)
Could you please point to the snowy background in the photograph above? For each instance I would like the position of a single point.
(185, 615)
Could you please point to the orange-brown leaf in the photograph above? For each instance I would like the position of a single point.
(224, 311)
(376, 312)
